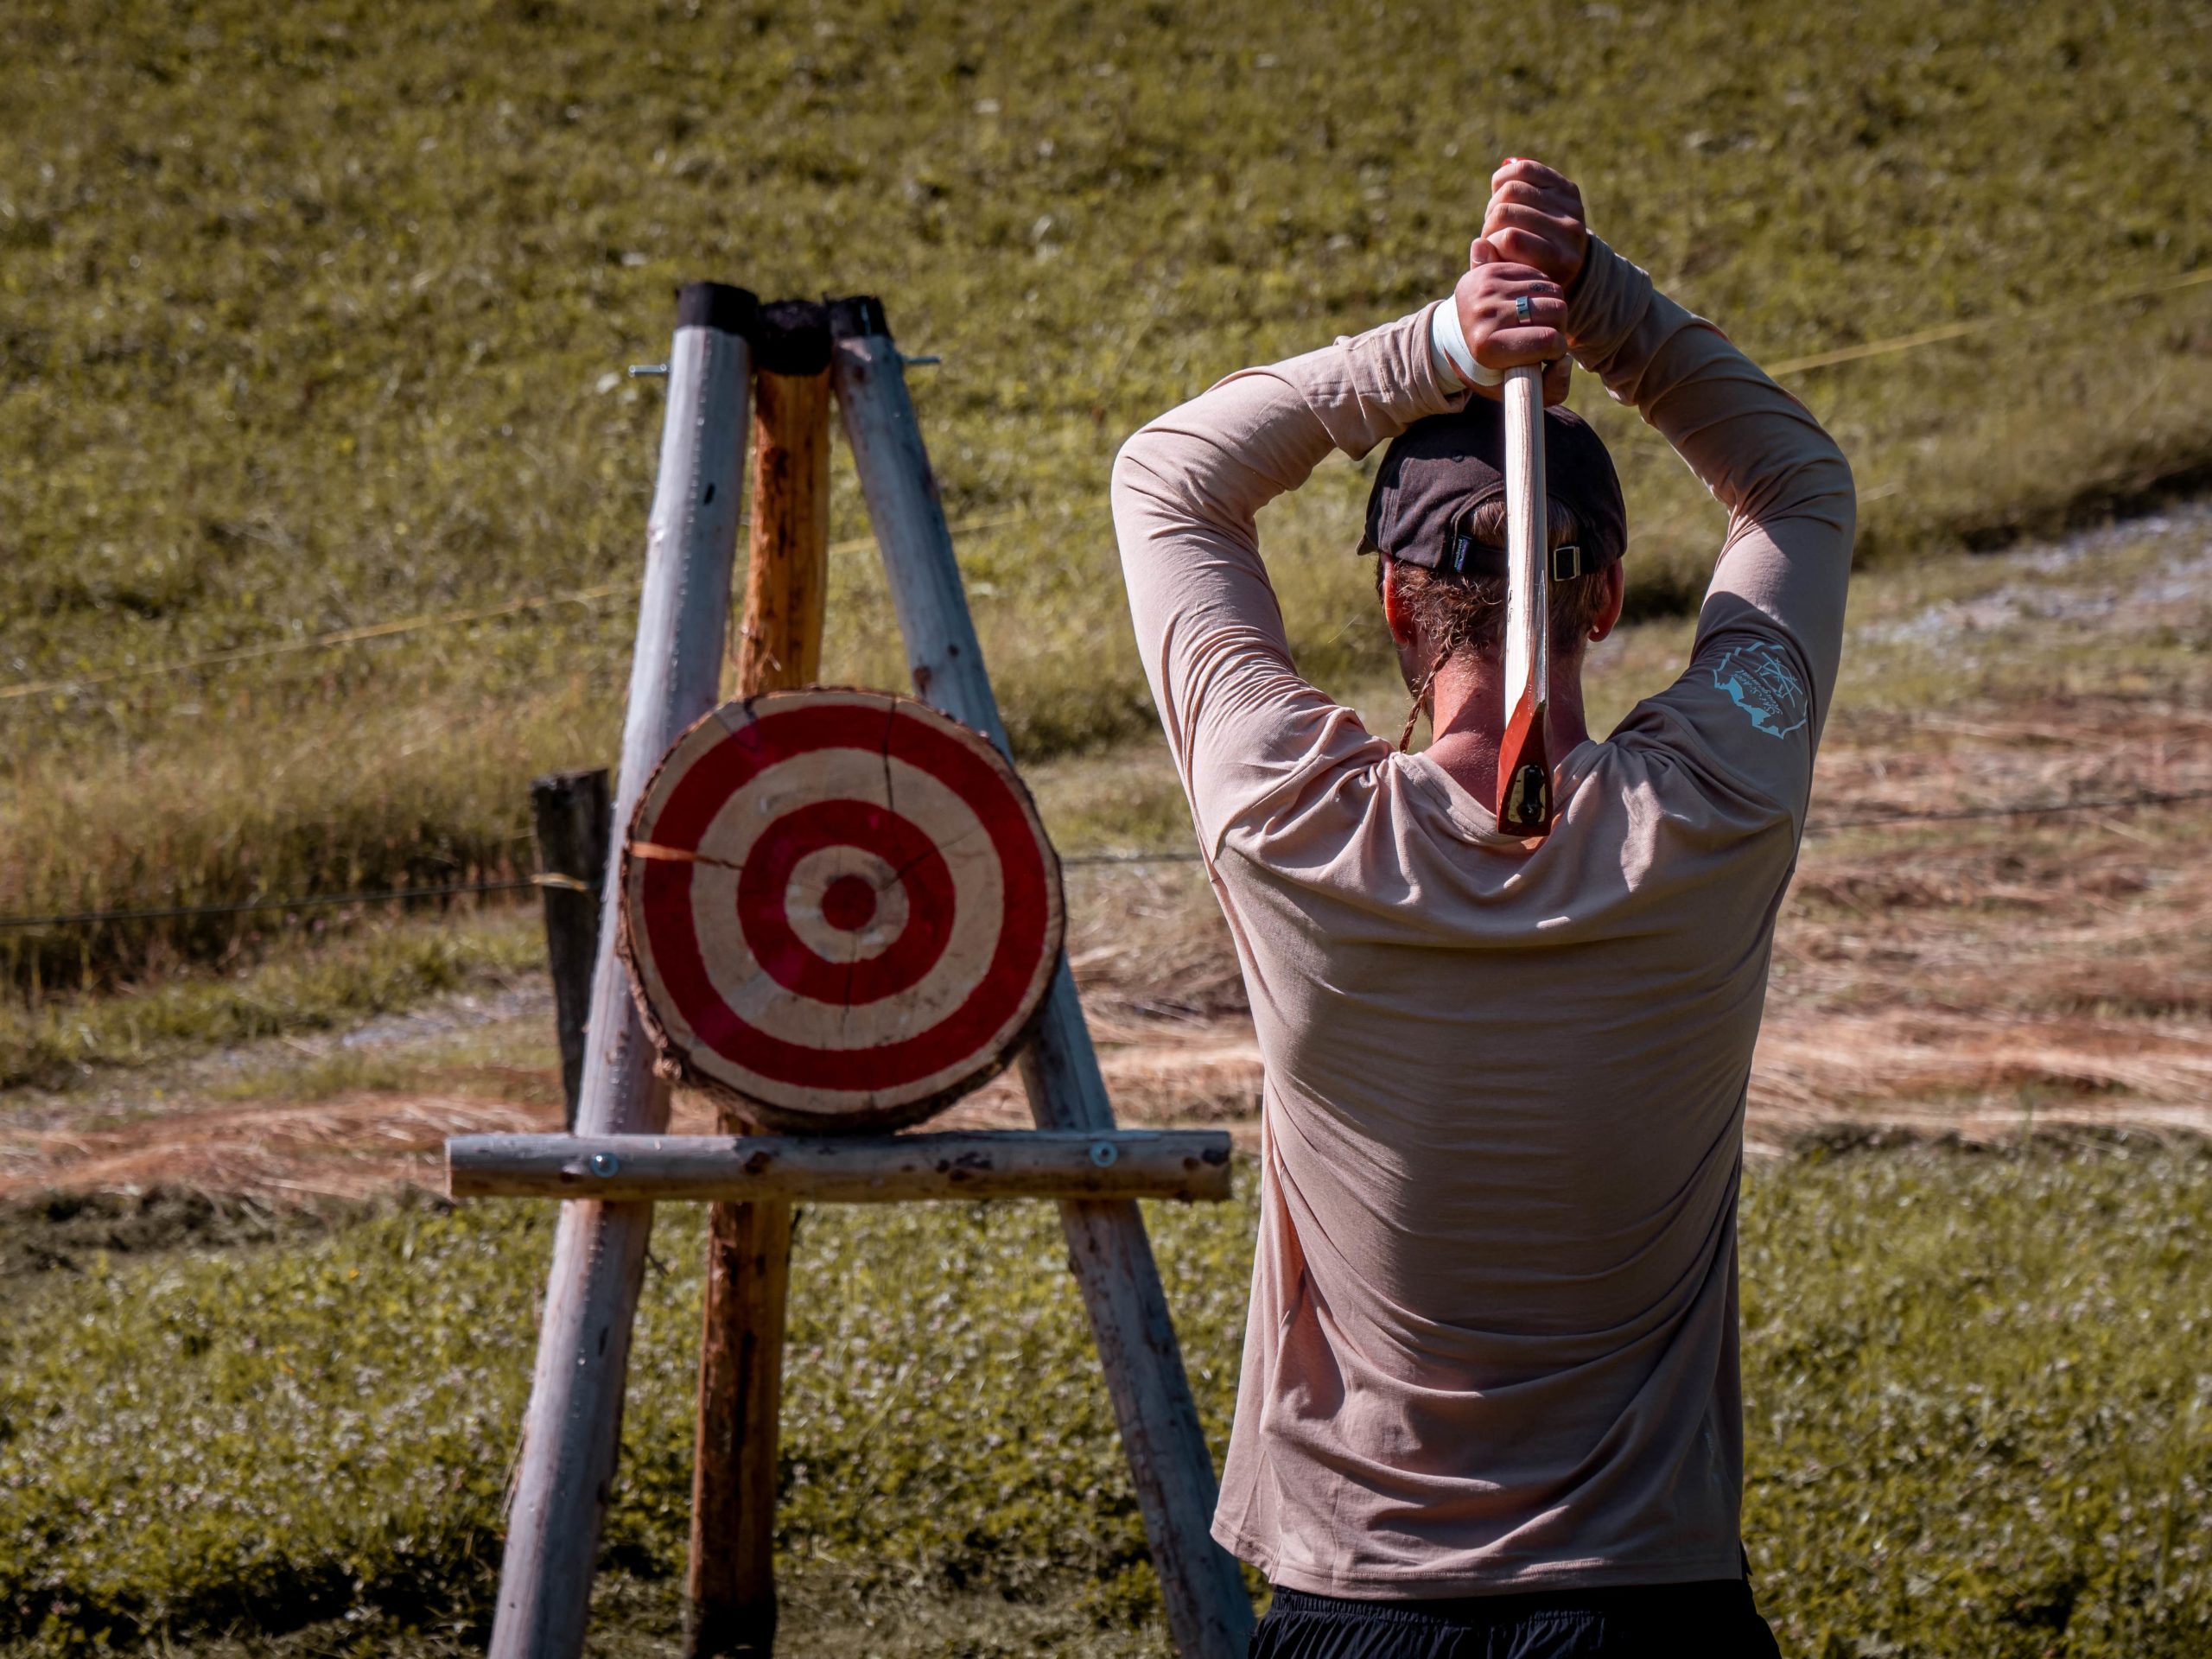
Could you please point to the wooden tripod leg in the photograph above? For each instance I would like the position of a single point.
(786, 581)
(731, 1590)
(573, 1428)
(1169, 1464)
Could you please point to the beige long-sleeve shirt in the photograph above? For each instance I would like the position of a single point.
(1492, 1342)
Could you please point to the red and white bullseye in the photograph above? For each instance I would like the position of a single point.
(839, 906)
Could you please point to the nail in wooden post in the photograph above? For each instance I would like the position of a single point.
(1173, 1470)
(571, 812)
(574, 1427)
(731, 1602)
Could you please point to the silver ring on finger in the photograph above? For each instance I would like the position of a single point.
(1524, 309)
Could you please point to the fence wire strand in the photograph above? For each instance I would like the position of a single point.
(1134, 857)
(1128, 858)
(391, 630)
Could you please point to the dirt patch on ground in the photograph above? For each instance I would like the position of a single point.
(71, 1231)
(343, 1148)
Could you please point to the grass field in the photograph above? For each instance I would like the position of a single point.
(303, 985)
(313, 318)
(1977, 1413)
(1977, 1394)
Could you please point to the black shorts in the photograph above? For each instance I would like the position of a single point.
(1716, 1620)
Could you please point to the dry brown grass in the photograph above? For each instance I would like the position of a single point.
(1976, 979)
(1988, 979)
(349, 1147)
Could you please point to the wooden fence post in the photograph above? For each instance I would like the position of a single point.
(573, 820)
(730, 1605)
(573, 1427)
(1207, 1608)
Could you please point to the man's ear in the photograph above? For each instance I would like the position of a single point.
(1397, 615)
(1614, 578)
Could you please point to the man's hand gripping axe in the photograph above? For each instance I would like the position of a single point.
(1524, 774)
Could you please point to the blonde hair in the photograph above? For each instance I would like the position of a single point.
(1465, 614)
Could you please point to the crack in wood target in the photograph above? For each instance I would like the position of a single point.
(840, 909)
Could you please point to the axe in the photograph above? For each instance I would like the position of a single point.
(1524, 774)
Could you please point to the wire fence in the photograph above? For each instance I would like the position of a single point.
(1949, 331)
(1123, 859)
(314, 642)
(255, 906)
(339, 638)
(391, 630)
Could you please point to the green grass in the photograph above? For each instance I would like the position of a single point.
(1976, 1412)
(313, 316)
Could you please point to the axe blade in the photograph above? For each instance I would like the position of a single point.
(1524, 777)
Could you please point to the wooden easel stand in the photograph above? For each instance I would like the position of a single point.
(618, 1155)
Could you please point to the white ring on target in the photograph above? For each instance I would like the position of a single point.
(811, 880)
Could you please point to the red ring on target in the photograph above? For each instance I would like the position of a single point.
(961, 850)
(764, 886)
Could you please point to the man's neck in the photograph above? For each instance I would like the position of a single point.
(1468, 700)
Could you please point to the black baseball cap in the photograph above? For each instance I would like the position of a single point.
(1438, 470)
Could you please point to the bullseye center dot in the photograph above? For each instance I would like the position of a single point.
(848, 904)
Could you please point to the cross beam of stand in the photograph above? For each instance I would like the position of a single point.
(1187, 1164)
(620, 1159)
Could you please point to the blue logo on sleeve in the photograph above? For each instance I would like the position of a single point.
(1759, 680)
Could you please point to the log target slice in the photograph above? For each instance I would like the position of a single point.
(840, 909)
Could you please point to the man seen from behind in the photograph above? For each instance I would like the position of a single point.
(1489, 1402)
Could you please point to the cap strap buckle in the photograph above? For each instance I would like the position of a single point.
(1567, 563)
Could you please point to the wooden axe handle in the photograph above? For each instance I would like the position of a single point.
(1524, 776)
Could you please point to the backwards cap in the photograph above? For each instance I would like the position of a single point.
(1438, 470)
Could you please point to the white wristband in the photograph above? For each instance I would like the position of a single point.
(1447, 345)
